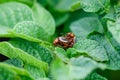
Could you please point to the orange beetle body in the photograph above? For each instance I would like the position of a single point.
(66, 41)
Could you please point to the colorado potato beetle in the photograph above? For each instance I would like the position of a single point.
(66, 41)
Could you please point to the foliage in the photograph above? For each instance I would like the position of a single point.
(31, 26)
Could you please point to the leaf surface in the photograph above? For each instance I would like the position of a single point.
(17, 12)
(13, 73)
(78, 68)
(35, 72)
(114, 28)
(8, 50)
(14, 61)
(92, 49)
(84, 26)
(95, 76)
(60, 5)
(34, 49)
(44, 19)
(28, 2)
(94, 5)
(61, 54)
(112, 50)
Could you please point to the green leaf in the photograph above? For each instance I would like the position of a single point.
(75, 16)
(8, 72)
(35, 72)
(114, 43)
(112, 53)
(59, 17)
(109, 16)
(114, 28)
(95, 76)
(4, 29)
(84, 26)
(15, 61)
(30, 31)
(76, 5)
(60, 5)
(94, 5)
(92, 49)
(43, 79)
(113, 22)
(34, 49)
(8, 50)
(59, 70)
(42, 2)
(82, 67)
(78, 68)
(61, 54)
(112, 15)
(71, 52)
(12, 13)
(44, 19)
(28, 2)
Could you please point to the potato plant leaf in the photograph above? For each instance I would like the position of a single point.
(44, 19)
(13, 73)
(15, 61)
(12, 13)
(59, 17)
(114, 28)
(60, 5)
(92, 49)
(95, 76)
(112, 52)
(42, 2)
(59, 70)
(84, 26)
(94, 5)
(61, 54)
(29, 30)
(78, 68)
(34, 49)
(8, 50)
(35, 72)
(28, 2)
